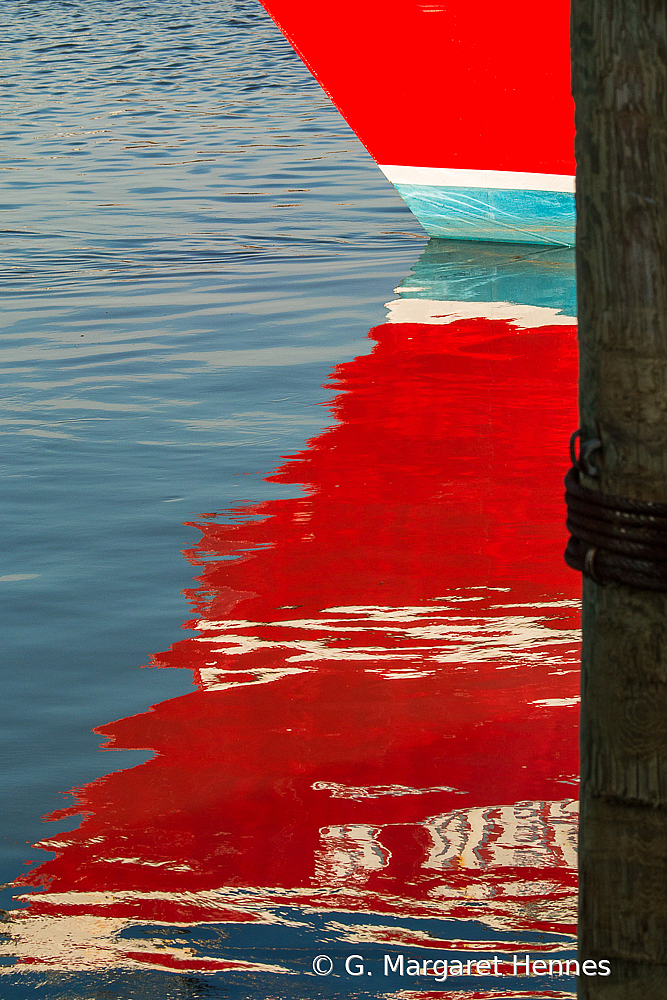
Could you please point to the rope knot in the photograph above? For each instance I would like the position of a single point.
(613, 540)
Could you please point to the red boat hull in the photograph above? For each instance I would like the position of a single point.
(479, 91)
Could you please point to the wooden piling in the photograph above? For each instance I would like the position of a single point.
(619, 81)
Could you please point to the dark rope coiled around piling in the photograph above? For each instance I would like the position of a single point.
(615, 540)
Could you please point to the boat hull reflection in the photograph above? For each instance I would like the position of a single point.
(381, 754)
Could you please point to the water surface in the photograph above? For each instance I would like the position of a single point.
(366, 740)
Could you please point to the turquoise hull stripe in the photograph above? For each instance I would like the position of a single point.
(495, 214)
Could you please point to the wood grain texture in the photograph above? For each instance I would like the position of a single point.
(619, 81)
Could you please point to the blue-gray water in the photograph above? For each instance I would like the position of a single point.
(193, 240)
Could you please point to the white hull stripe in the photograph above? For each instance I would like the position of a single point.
(508, 180)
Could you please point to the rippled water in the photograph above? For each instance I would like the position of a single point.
(367, 744)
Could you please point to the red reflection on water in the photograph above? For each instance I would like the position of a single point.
(386, 714)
